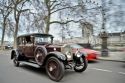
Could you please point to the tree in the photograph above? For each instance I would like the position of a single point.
(51, 8)
(5, 10)
(18, 8)
(10, 27)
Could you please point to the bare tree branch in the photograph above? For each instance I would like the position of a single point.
(63, 8)
(52, 3)
(94, 8)
(60, 22)
(54, 6)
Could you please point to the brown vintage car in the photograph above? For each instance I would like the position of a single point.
(39, 49)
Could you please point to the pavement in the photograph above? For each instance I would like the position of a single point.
(118, 56)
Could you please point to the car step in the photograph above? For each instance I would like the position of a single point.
(31, 63)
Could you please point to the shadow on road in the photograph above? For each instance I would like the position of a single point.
(69, 72)
(42, 72)
(123, 65)
(93, 62)
(32, 69)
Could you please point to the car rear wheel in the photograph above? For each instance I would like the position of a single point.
(55, 69)
(81, 67)
(15, 60)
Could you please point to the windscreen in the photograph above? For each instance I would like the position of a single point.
(43, 39)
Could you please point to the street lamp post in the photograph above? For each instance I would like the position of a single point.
(103, 34)
(104, 48)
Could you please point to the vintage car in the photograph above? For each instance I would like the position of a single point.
(39, 49)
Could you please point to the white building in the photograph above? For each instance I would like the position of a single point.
(113, 39)
(116, 38)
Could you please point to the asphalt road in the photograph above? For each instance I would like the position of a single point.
(97, 72)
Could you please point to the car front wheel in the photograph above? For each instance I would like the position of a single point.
(81, 67)
(55, 69)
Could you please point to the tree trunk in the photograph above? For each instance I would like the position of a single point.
(15, 34)
(3, 34)
(82, 32)
(47, 24)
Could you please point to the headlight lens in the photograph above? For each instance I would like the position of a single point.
(69, 55)
(78, 54)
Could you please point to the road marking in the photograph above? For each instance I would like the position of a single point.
(121, 73)
(101, 69)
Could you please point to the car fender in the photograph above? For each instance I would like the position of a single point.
(56, 54)
(42, 48)
(17, 51)
(14, 51)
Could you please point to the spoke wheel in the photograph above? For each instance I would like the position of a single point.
(55, 69)
(81, 67)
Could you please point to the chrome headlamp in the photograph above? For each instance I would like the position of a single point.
(78, 54)
(69, 55)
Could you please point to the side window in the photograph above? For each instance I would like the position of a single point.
(23, 41)
(28, 40)
(19, 41)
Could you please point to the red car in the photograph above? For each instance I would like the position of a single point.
(91, 55)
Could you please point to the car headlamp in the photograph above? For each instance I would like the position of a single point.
(68, 54)
(78, 54)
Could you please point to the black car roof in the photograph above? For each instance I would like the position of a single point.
(34, 34)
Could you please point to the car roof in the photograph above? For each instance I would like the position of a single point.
(35, 34)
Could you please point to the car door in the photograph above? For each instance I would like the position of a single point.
(29, 50)
(20, 44)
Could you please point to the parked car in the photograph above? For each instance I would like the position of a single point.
(39, 49)
(8, 46)
(92, 55)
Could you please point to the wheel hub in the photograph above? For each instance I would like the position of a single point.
(39, 58)
(52, 68)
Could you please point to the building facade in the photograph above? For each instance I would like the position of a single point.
(113, 39)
